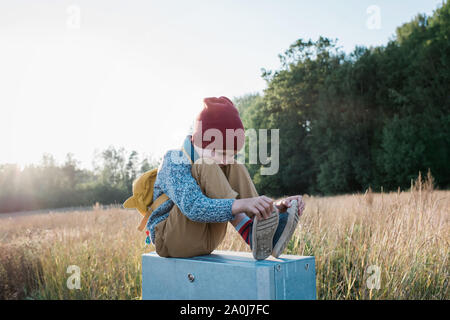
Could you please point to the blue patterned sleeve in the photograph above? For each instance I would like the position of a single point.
(177, 182)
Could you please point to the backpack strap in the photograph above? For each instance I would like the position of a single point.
(159, 201)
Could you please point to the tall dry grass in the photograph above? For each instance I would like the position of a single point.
(405, 234)
(35, 252)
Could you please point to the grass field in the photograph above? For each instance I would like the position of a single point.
(404, 234)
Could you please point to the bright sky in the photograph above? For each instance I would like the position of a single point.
(78, 76)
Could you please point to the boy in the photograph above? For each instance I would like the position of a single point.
(206, 190)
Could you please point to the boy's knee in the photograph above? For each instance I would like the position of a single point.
(239, 168)
(206, 170)
(241, 181)
(206, 173)
(212, 181)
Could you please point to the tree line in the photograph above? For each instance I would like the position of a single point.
(52, 185)
(371, 118)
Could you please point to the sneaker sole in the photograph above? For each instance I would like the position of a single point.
(288, 231)
(262, 236)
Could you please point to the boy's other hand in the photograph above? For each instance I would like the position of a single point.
(261, 206)
(283, 204)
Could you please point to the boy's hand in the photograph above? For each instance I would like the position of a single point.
(283, 204)
(261, 206)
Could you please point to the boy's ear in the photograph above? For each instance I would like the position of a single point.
(130, 203)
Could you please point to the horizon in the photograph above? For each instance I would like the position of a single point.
(110, 64)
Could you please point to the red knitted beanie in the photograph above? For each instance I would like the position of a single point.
(220, 114)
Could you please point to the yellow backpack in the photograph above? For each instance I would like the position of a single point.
(142, 198)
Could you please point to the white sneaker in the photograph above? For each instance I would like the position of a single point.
(292, 221)
(262, 236)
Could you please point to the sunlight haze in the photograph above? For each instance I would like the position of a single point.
(78, 76)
